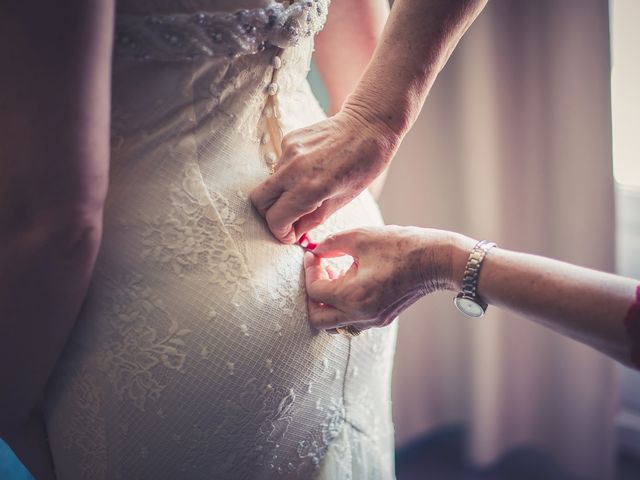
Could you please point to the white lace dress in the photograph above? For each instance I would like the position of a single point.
(192, 357)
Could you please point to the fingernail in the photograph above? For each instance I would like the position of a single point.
(305, 243)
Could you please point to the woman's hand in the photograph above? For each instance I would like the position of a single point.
(326, 165)
(392, 268)
(323, 167)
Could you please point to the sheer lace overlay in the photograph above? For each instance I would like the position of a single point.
(192, 356)
(190, 35)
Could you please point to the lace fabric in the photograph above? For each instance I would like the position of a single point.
(190, 35)
(192, 356)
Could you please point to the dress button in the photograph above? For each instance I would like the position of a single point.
(270, 158)
(272, 88)
(276, 62)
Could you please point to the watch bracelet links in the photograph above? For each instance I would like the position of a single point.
(472, 268)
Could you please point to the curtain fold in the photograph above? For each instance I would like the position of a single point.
(514, 146)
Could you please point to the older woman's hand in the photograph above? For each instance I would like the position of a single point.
(323, 167)
(392, 268)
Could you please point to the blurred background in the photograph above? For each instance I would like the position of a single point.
(518, 143)
(530, 138)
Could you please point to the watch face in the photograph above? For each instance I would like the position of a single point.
(468, 306)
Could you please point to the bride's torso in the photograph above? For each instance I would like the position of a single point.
(192, 356)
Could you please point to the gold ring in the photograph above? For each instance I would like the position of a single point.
(349, 331)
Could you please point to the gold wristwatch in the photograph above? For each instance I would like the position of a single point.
(467, 301)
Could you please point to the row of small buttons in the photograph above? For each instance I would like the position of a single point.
(269, 127)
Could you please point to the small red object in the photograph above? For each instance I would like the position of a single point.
(632, 325)
(305, 243)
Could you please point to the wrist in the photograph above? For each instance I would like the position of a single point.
(458, 249)
(443, 259)
(372, 118)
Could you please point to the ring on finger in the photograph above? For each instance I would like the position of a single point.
(349, 331)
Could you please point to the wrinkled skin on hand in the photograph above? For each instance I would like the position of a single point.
(392, 268)
(323, 167)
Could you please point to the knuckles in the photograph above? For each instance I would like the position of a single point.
(276, 227)
(319, 187)
(292, 148)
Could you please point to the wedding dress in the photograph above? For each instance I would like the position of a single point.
(192, 357)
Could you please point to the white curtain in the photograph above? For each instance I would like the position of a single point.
(514, 146)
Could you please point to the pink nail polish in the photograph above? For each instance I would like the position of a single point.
(305, 243)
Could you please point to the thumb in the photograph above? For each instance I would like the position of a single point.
(314, 270)
(320, 288)
(339, 244)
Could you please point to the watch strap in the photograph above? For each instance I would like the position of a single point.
(472, 269)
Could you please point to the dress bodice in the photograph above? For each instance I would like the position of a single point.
(188, 30)
(179, 65)
(193, 356)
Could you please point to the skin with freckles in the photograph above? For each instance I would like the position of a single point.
(312, 181)
(326, 165)
(395, 266)
(383, 279)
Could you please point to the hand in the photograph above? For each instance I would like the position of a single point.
(323, 167)
(392, 268)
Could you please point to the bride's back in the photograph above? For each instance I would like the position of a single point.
(193, 357)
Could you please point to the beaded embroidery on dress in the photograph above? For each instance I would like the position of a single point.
(192, 356)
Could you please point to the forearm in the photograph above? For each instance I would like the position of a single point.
(54, 109)
(54, 124)
(587, 305)
(416, 43)
(42, 285)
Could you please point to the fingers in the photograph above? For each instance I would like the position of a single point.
(325, 317)
(333, 272)
(266, 194)
(320, 288)
(319, 216)
(339, 244)
(282, 208)
(321, 315)
(283, 213)
(313, 269)
(311, 220)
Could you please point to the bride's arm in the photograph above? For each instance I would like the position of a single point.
(54, 148)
